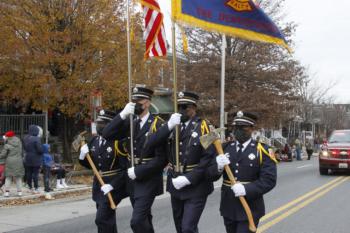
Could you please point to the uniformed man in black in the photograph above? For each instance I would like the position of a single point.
(254, 169)
(189, 188)
(110, 159)
(146, 177)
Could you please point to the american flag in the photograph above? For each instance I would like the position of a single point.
(154, 35)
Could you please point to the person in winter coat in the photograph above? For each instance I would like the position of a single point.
(12, 154)
(33, 159)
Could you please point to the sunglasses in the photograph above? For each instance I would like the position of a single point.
(182, 107)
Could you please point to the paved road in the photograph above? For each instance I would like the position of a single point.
(302, 202)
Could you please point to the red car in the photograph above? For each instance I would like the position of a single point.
(336, 154)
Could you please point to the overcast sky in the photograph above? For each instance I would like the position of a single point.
(321, 40)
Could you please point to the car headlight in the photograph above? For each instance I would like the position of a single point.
(325, 153)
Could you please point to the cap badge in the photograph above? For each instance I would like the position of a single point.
(102, 112)
(240, 114)
(181, 94)
(251, 156)
(135, 89)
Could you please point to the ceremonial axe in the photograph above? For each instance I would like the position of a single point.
(213, 137)
(76, 144)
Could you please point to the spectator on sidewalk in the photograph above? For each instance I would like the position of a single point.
(60, 171)
(33, 159)
(47, 165)
(52, 164)
(298, 147)
(12, 154)
(309, 149)
(2, 173)
(288, 152)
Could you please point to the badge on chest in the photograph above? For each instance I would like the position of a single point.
(252, 156)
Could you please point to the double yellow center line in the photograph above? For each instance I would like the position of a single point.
(310, 197)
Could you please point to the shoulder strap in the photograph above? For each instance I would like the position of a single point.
(153, 128)
(204, 127)
(262, 151)
(117, 151)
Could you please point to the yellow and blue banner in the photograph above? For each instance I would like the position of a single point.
(240, 18)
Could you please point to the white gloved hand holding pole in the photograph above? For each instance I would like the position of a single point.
(222, 160)
(84, 150)
(106, 188)
(128, 110)
(174, 120)
(180, 182)
(238, 189)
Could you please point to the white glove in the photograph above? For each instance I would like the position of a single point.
(180, 182)
(238, 189)
(174, 120)
(106, 188)
(83, 152)
(222, 160)
(128, 110)
(131, 173)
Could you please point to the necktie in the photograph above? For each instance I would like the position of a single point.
(137, 126)
(101, 141)
(183, 129)
(240, 150)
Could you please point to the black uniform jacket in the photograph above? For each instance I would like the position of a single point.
(194, 159)
(149, 158)
(256, 171)
(111, 162)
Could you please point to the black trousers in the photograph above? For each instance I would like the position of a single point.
(141, 220)
(105, 218)
(238, 226)
(32, 175)
(47, 172)
(186, 213)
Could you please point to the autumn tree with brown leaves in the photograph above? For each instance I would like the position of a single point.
(55, 53)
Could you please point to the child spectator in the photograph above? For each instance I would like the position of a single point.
(47, 166)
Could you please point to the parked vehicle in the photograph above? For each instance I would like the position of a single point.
(336, 154)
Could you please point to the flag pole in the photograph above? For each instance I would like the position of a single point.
(222, 92)
(177, 168)
(130, 80)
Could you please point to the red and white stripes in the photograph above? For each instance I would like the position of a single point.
(154, 35)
